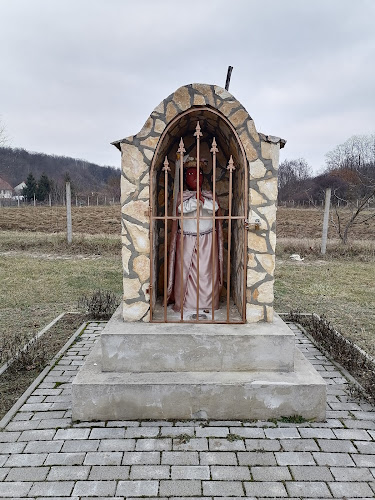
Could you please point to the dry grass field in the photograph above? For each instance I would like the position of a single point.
(40, 276)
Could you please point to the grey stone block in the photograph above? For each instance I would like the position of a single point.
(218, 458)
(141, 457)
(351, 490)
(79, 445)
(65, 459)
(358, 434)
(9, 437)
(366, 447)
(68, 472)
(145, 432)
(308, 489)
(6, 448)
(310, 473)
(43, 447)
(362, 460)
(194, 444)
(149, 472)
(29, 460)
(16, 489)
(180, 458)
(282, 433)
(212, 431)
(294, 458)
(263, 489)
(117, 445)
(72, 434)
(190, 472)
(299, 445)
(223, 488)
(337, 445)
(28, 474)
(109, 472)
(108, 433)
(270, 473)
(154, 444)
(103, 458)
(262, 444)
(94, 488)
(333, 459)
(137, 488)
(229, 473)
(52, 489)
(314, 432)
(256, 458)
(352, 474)
(218, 444)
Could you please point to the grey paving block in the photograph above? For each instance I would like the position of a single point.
(117, 444)
(21, 425)
(230, 473)
(156, 423)
(27, 474)
(54, 422)
(52, 489)
(65, 459)
(9, 437)
(94, 488)
(72, 434)
(154, 444)
(316, 432)
(351, 490)
(364, 460)
(282, 433)
(262, 444)
(137, 488)
(180, 458)
(267, 488)
(351, 474)
(218, 458)
(103, 458)
(333, 459)
(4, 471)
(218, 444)
(11, 448)
(148, 432)
(43, 447)
(109, 472)
(190, 472)
(212, 431)
(194, 444)
(16, 489)
(150, 472)
(68, 472)
(360, 424)
(29, 460)
(223, 488)
(270, 473)
(141, 457)
(366, 447)
(107, 433)
(358, 434)
(299, 445)
(78, 445)
(307, 489)
(256, 458)
(310, 473)
(337, 445)
(248, 432)
(123, 423)
(294, 458)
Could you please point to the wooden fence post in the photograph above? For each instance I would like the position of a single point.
(325, 220)
(68, 213)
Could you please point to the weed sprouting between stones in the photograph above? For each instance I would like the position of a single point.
(100, 305)
(234, 437)
(183, 438)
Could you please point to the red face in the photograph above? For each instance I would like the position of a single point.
(191, 178)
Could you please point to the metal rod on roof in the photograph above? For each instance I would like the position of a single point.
(229, 74)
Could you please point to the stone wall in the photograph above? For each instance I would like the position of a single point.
(262, 160)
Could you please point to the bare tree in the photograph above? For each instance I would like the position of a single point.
(292, 174)
(3, 136)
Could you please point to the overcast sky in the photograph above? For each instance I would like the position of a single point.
(78, 74)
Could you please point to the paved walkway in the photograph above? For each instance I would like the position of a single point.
(42, 455)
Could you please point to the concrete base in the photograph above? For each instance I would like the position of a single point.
(101, 395)
(188, 371)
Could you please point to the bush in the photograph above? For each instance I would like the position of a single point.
(100, 305)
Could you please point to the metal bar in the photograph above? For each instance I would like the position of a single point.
(198, 135)
(209, 217)
(230, 167)
(166, 170)
(246, 208)
(229, 74)
(151, 255)
(213, 150)
(182, 150)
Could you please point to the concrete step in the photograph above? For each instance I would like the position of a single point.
(189, 347)
(214, 395)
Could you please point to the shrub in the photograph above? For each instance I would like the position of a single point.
(100, 305)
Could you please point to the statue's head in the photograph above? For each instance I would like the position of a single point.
(191, 178)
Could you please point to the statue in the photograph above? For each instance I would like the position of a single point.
(210, 268)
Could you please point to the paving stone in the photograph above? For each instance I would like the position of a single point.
(212, 431)
(351, 474)
(364, 460)
(35, 406)
(364, 415)
(43, 447)
(352, 490)
(107, 433)
(145, 432)
(16, 489)
(154, 444)
(28, 474)
(54, 422)
(149, 472)
(299, 445)
(72, 434)
(9, 437)
(117, 444)
(4, 471)
(157, 423)
(190, 472)
(78, 445)
(310, 473)
(103, 458)
(21, 425)
(305, 489)
(270, 473)
(109, 472)
(94, 488)
(52, 489)
(222, 488)
(68, 472)
(194, 444)
(256, 458)
(336, 445)
(333, 459)
(282, 433)
(248, 432)
(229, 473)
(29, 460)
(357, 434)
(218, 458)
(137, 488)
(316, 432)
(294, 458)
(217, 444)
(266, 488)
(141, 457)
(123, 423)
(262, 444)
(64, 459)
(360, 424)
(180, 458)
(367, 447)
(11, 448)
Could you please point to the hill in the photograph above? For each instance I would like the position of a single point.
(86, 177)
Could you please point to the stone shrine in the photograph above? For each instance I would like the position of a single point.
(235, 361)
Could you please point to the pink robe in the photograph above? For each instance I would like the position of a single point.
(189, 259)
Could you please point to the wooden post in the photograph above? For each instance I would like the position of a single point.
(34, 200)
(88, 201)
(68, 213)
(325, 220)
